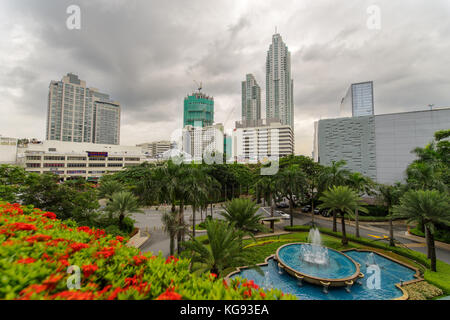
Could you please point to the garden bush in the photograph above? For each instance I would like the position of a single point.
(37, 249)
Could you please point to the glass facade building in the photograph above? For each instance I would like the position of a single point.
(358, 100)
(198, 110)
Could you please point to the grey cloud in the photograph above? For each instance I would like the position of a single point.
(146, 54)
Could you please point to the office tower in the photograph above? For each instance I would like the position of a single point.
(77, 113)
(279, 85)
(358, 100)
(251, 99)
(268, 139)
(378, 146)
(198, 110)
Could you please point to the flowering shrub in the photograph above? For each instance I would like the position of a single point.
(36, 250)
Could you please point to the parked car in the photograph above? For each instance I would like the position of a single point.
(325, 213)
(306, 208)
(283, 215)
(316, 211)
(283, 205)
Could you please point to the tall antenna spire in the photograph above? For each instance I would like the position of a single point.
(275, 29)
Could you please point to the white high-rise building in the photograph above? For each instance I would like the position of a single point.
(251, 99)
(279, 84)
(77, 113)
(203, 142)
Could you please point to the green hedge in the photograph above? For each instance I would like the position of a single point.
(440, 235)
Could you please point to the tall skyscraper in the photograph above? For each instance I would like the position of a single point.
(251, 99)
(198, 109)
(77, 113)
(358, 100)
(279, 84)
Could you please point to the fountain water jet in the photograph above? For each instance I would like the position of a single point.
(314, 252)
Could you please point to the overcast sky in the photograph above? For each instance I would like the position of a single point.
(146, 54)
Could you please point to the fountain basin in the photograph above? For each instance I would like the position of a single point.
(339, 270)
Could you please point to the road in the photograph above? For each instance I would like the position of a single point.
(150, 222)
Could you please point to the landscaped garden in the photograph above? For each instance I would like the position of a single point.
(37, 249)
(42, 251)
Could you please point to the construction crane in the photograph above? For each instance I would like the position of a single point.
(199, 86)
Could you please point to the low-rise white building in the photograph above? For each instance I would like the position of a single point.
(269, 140)
(74, 159)
(8, 150)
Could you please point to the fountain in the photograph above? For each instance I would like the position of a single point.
(316, 264)
(314, 252)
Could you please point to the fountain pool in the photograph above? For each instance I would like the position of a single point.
(391, 273)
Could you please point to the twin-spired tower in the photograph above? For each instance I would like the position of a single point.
(279, 87)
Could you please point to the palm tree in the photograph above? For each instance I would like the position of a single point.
(389, 195)
(266, 185)
(290, 183)
(429, 207)
(195, 191)
(108, 187)
(241, 212)
(334, 175)
(342, 200)
(224, 249)
(362, 185)
(172, 226)
(424, 176)
(123, 203)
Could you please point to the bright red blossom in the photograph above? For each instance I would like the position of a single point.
(89, 269)
(169, 294)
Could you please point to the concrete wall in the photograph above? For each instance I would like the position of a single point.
(398, 134)
(349, 139)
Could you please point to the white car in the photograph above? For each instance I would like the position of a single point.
(284, 215)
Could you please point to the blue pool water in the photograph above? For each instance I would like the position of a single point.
(338, 267)
(390, 274)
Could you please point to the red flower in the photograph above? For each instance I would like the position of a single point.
(77, 246)
(119, 238)
(26, 260)
(106, 252)
(113, 295)
(171, 259)
(50, 215)
(262, 294)
(23, 226)
(50, 226)
(74, 295)
(248, 293)
(213, 275)
(139, 259)
(38, 237)
(130, 281)
(250, 284)
(84, 229)
(169, 294)
(89, 269)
